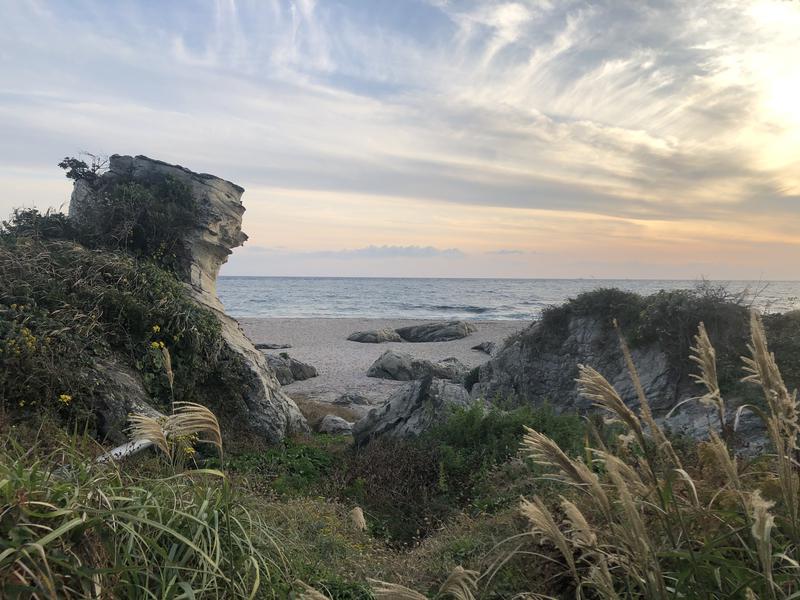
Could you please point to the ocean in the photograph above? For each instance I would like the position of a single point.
(470, 299)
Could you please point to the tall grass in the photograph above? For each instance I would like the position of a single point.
(73, 528)
(635, 522)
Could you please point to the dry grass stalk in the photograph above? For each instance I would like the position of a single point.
(581, 532)
(593, 386)
(662, 442)
(461, 584)
(189, 418)
(546, 452)
(357, 519)
(383, 590)
(705, 356)
(763, 522)
(147, 428)
(309, 593)
(168, 367)
(543, 524)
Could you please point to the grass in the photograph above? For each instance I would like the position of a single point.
(72, 528)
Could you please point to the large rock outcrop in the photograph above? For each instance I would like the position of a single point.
(536, 367)
(258, 403)
(411, 410)
(401, 366)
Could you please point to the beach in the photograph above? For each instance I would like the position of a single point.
(342, 365)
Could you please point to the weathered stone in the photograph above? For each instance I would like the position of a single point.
(288, 370)
(351, 399)
(485, 347)
(272, 346)
(122, 395)
(400, 366)
(261, 405)
(436, 332)
(411, 410)
(334, 425)
(375, 336)
(534, 368)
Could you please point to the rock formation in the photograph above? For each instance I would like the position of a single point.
(436, 332)
(260, 404)
(288, 369)
(485, 347)
(400, 366)
(411, 410)
(375, 336)
(445, 331)
(533, 368)
(333, 425)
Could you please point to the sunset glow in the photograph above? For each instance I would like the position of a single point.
(437, 138)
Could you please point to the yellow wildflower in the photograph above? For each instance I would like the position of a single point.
(156, 328)
(161, 345)
(189, 451)
(65, 399)
(154, 345)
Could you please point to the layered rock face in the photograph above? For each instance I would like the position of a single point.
(532, 368)
(262, 406)
(411, 410)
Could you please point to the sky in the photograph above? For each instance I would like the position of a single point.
(458, 138)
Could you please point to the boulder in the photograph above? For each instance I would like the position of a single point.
(375, 336)
(288, 370)
(122, 395)
(400, 366)
(334, 425)
(485, 347)
(411, 410)
(257, 404)
(351, 400)
(436, 332)
(272, 346)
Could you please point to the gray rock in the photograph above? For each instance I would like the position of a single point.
(436, 332)
(411, 410)
(272, 346)
(334, 425)
(485, 347)
(534, 367)
(288, 370)
(122, 395)
(400, 366)
(258, 404)
(375, 336)
(351, 400)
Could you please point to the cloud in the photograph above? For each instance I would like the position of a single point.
(506, 252)
(367, 253)
(661, 118)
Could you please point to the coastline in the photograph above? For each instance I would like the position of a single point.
(342, 365)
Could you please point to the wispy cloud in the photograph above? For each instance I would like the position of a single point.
(620, 123)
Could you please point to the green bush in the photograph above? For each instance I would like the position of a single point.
(149, 219)
(409, 487)
(63, 306)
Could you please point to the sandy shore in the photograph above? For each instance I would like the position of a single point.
(342, 365)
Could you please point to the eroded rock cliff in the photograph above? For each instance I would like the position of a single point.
(253, 397)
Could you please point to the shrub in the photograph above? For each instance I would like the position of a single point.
(409, 487)
(62, 307)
